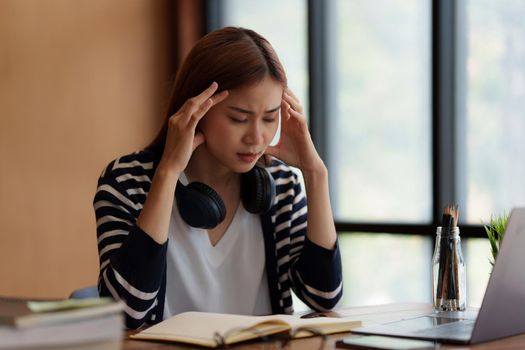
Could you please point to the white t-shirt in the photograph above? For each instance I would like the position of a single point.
(229, 277)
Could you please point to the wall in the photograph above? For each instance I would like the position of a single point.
(81, 82)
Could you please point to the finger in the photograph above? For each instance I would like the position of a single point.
(294, 113)
(218, 98)
(198, 140)
(206, 94)
(299, 120)
(292, 95)
(208, 104)
(285, 108)
(293, 103)
(194, 103)
(193, 117)
(197, 115)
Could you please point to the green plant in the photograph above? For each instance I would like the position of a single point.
(495, 230)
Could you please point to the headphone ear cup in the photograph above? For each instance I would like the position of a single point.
(199, 205)
(257, 190)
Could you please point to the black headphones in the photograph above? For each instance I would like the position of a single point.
(201, 207)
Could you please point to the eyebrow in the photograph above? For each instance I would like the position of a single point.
(247, 111)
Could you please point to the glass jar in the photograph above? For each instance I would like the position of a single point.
(448, 272)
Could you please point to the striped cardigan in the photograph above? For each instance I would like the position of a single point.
(133, 265)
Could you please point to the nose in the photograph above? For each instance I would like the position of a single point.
(253, 135)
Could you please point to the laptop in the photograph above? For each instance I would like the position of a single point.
(502, 312)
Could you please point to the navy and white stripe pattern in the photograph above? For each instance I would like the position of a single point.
(133, 265)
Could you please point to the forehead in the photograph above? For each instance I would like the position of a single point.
(264, 94)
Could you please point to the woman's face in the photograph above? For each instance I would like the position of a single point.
(238, 130)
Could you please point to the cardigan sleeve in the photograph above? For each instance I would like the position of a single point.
(315, 272)
(132, 264)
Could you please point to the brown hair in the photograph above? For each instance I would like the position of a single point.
(232, 57)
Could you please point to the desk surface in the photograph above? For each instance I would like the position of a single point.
(368, 315)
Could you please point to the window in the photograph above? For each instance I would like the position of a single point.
(491, 82)
(283, 23)
(414, 105)
(382, 268)
(380, 136)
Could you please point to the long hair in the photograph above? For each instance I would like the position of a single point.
(233, 57)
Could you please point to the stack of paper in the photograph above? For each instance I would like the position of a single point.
(67, 323)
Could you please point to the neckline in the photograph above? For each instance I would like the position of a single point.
(217, 253)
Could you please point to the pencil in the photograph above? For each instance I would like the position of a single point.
(447, 290)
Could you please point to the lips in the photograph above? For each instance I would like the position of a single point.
(249, 157)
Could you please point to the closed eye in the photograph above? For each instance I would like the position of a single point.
(271, 117)
(238, 120)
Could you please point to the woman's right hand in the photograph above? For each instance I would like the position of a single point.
(182, 138)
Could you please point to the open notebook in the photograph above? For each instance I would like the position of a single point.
(213, 330)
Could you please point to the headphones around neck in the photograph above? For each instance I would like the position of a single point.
(201, 207)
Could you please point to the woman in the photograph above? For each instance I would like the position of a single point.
(239, 245)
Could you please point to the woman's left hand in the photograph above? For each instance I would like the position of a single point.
(295, 145)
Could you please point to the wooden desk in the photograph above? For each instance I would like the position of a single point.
(368, 315)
